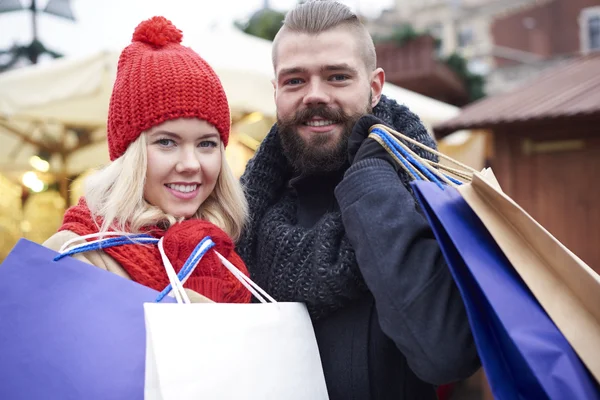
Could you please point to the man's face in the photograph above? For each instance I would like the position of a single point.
(322, 87)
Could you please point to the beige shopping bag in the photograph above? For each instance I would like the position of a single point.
(567, 288)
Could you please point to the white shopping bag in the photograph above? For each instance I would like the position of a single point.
(230, 351)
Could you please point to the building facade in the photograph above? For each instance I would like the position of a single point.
(461, 26)
(548, 34)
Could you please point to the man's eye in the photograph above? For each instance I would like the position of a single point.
(339, 78)
(293, 81)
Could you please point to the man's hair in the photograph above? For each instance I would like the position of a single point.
(317, 16)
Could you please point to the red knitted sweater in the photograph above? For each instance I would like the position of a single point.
(144, 265)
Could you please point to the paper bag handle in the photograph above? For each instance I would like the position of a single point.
(176, 285)
(246, 281)
(416, 167)
(102, 243)
(176, 281)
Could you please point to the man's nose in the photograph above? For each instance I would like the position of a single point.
(317, 93)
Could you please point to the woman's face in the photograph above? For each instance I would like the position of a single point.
(184, 162)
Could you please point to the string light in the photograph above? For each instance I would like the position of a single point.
(31, 180)
(39, 163)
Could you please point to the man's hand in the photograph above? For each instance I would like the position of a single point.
(361, 147)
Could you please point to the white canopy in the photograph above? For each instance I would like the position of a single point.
(38, 102)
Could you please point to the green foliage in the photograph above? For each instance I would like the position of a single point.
(400, 35)
(474, 83)
(263, 23)
(403, 34)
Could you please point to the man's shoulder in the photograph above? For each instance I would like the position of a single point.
(402, 119)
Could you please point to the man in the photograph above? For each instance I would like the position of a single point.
(333, 222)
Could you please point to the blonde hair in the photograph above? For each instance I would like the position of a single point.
(317, 16)
(116, 194)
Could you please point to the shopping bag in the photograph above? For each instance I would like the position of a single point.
(69, 330)
(519, 229)
(524, 354)
(567, 288)
(263, 351)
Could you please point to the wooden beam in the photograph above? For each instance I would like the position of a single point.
(85, 141)
(27, 139)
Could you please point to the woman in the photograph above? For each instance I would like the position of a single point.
(168, 125)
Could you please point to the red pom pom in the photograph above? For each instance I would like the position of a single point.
(157, 31)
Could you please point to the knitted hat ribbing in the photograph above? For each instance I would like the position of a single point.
(158, 80)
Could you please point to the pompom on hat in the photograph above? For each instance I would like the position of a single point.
(158, 80)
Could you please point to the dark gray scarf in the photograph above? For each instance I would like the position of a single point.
(314, 265)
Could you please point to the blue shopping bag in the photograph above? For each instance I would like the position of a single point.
(522, 351)
(69, 330)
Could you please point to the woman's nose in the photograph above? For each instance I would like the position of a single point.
(188, 161)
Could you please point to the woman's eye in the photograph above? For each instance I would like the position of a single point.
(165, 142)
(208, 143)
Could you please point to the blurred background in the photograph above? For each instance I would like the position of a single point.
(511, 84)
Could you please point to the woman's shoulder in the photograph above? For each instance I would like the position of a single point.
(95, 257)
(56, 241)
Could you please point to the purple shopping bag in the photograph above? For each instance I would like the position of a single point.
(69, 330)
(523, 353)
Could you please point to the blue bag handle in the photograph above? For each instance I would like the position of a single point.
(409, 162)
(106, 243)
(407, 159)
(188, 267)
(190, 264)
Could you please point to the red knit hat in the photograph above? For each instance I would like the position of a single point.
(158, 80)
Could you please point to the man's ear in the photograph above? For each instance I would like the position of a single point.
(377, 81)
(274, 83)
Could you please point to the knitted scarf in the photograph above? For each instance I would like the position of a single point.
(314, 265)
(144, 264)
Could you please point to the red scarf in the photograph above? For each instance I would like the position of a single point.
(144, 265)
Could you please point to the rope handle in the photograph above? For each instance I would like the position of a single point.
(420, 171)
(175, 283)
(101, 244)
(424, 147)
(417, 167)
(176, 280)
(188, 267)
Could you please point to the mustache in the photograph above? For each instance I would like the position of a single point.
(322, 111)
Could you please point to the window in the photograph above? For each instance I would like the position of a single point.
(594, 32)
(589, 29)
(436, 30)
(465, 37)
(479, 66)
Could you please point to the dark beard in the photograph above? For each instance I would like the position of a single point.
(310, 157)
